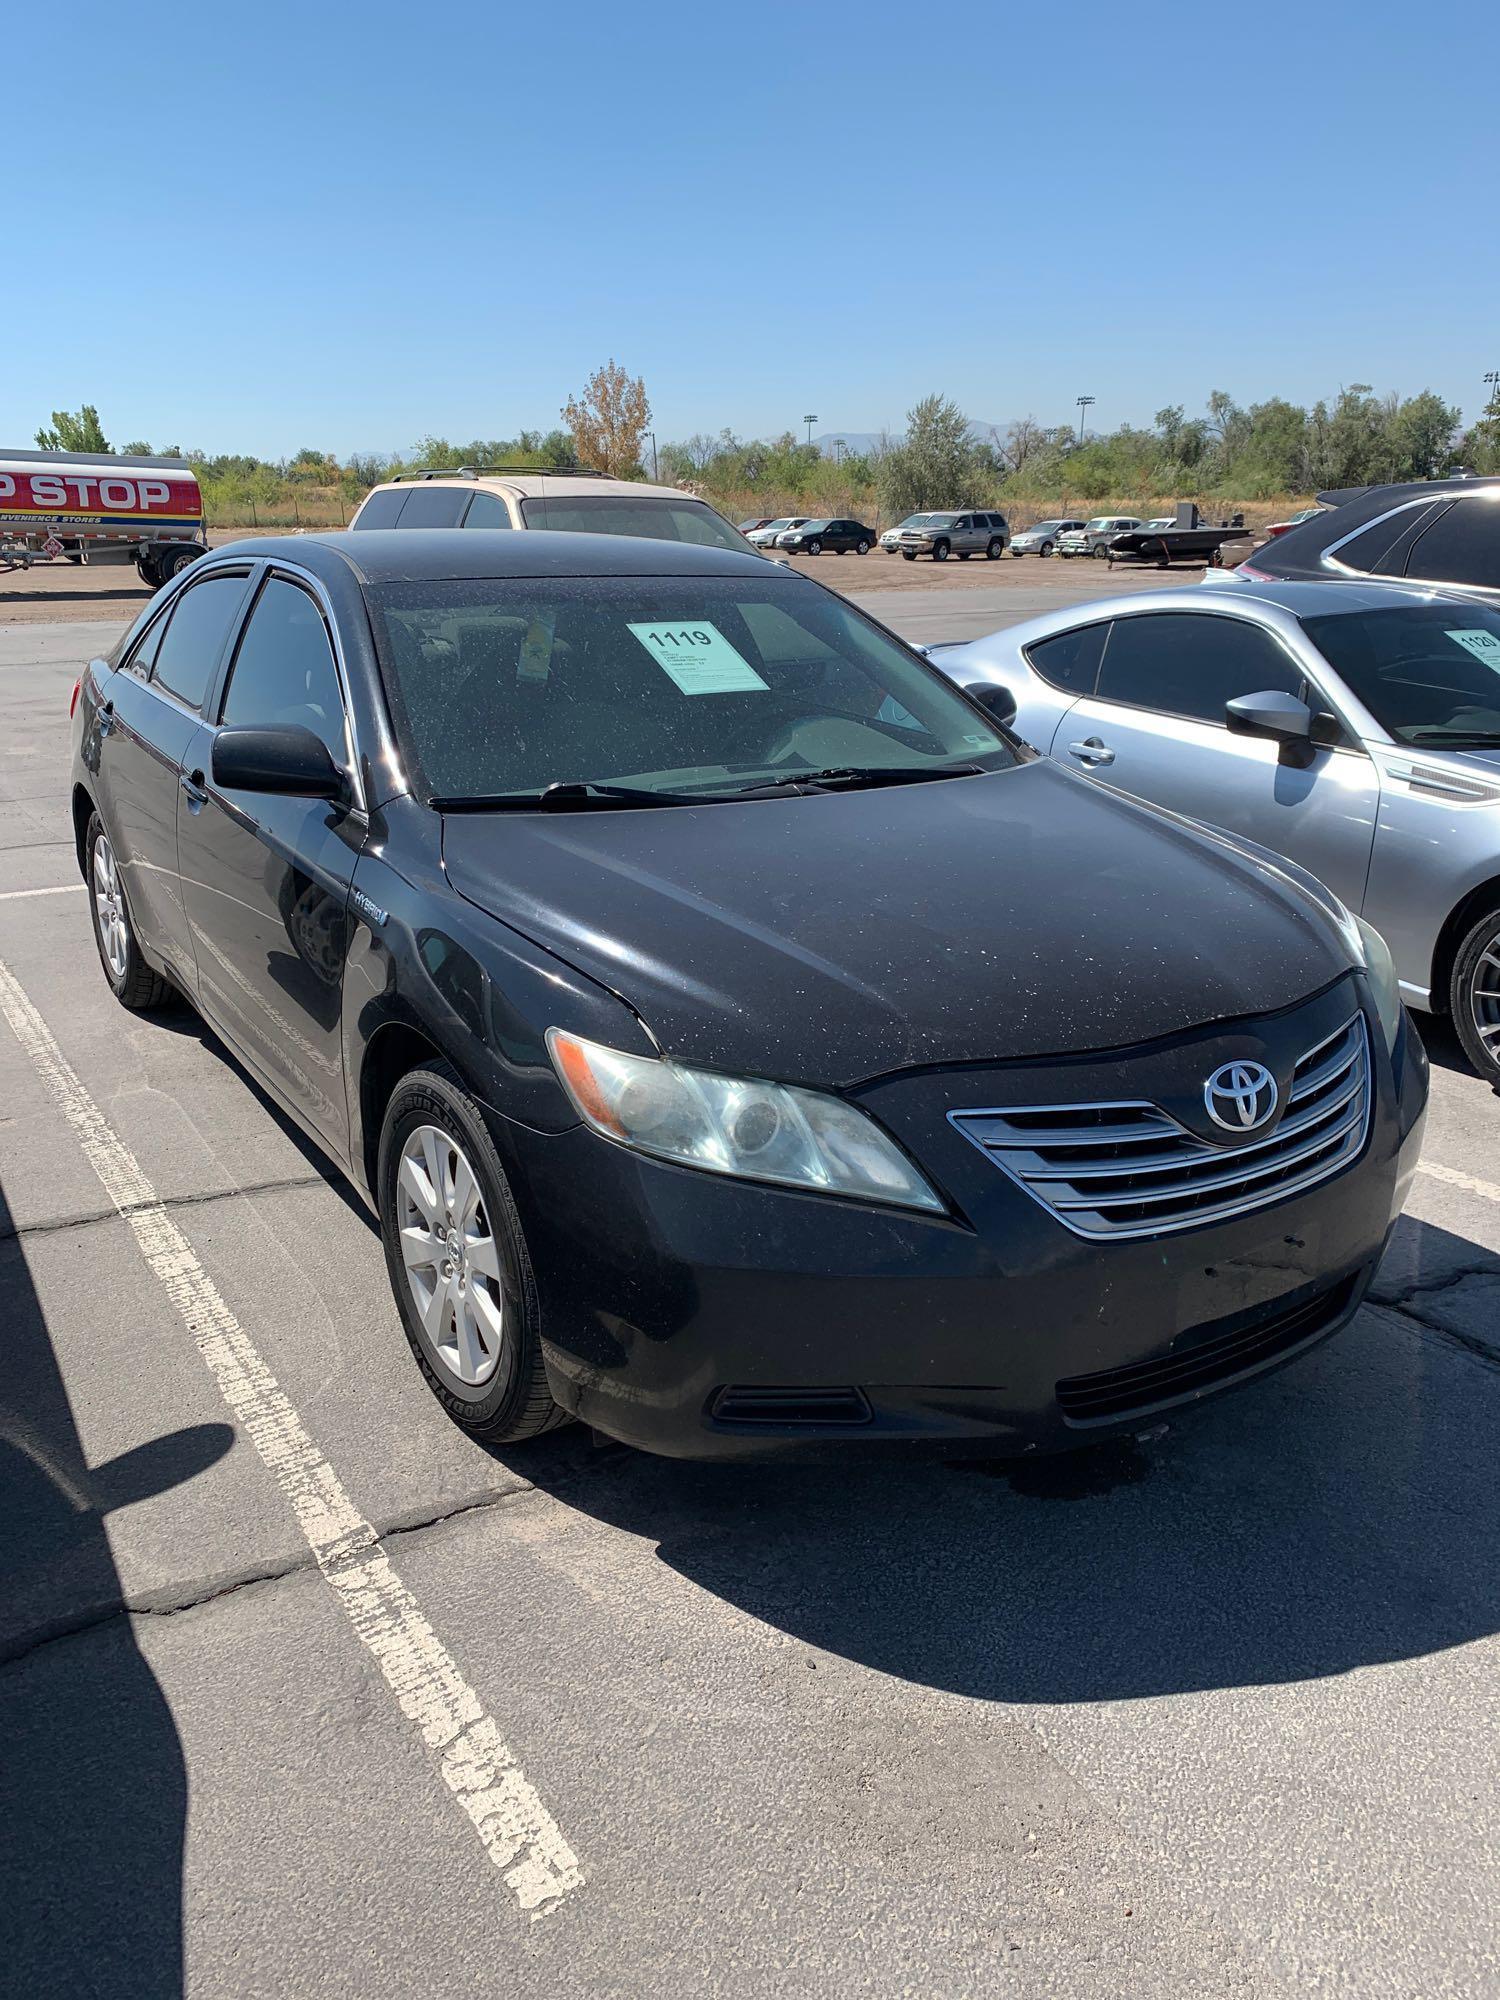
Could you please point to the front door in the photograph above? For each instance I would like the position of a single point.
(1155, 727)
(266, 879)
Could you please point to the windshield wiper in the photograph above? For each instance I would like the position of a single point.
(579, 795)
(1457, 739)
(853, 777)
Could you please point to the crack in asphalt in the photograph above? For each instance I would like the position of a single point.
(12, 1233)
(158, 1604)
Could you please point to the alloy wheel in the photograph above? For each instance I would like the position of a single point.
(109, 909)
(451, 1258)
(1484, 998)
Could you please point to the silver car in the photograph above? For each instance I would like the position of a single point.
(1353, 727)
(1040, 539)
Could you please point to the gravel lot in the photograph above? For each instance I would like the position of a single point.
(1211, 1715)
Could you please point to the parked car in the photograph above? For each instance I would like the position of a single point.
(768, 536)
(1094, 537)
(745, 1044)
(755, 521)
(961, 535)
(1354, 727)
(1040, 539)
(575, 502)
(1293, 521)
(890, 541)
(837, 538)
(1435, 531)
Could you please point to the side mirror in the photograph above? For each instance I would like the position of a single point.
(996, 701)
(289, 760)
(1280, 716)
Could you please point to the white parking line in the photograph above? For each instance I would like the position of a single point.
(517, 1832)
(1468, 1182)
(67, 889)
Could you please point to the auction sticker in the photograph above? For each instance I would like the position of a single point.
(699, 658)
(1483, 645)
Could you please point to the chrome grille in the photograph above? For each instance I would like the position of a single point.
(1128, 1169)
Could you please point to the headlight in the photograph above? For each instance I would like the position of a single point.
(1384, 984)
(736, 1125)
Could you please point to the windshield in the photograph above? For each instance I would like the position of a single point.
(620, 514)
(784, 522)
(666, 684)
(1428, 673)
(813, 527)
(1041, 527)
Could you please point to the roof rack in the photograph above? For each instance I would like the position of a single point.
(486, 471)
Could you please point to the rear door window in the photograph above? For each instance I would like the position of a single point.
(190, 647)
(434, 507)
(1192, 663)
(1461, 546)
(1070, 660)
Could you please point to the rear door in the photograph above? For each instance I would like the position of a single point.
(1155, 727)
(266, 880)
(150, 714)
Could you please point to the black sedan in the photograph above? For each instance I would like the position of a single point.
(837, 538)
(745, 1042)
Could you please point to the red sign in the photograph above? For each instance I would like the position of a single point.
(52, 547)
(88, 494)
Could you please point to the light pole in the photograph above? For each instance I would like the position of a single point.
(1492, 383)
(809, 421)
(1083, 404)
(655, 471)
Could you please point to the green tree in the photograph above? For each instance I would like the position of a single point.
(138, 449)
(937, 463)
(74, 430)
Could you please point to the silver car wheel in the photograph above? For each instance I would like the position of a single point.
(452, 1260)
(1484, 998)
(109, 908)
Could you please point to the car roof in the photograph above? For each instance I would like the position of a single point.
(543, 484)
(392, 555)
(1410, 489)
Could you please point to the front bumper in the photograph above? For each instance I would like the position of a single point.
(706, 1317)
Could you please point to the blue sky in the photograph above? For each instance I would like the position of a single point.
(349, 226)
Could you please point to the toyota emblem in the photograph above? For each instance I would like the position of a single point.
(1240, 1096)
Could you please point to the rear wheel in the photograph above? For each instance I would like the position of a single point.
(995, 550)
(458, 1261)
(1474, 996)
(861, 548)
(133, 982)
(174, 559)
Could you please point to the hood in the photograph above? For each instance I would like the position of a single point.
(836, 937)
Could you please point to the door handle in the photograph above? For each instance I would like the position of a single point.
(1091, 751)
(193, 786)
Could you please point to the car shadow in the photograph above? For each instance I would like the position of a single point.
(1443, 1047)
(1337, 1514)
(91, 1840)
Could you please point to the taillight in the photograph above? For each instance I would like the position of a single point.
(73, 704)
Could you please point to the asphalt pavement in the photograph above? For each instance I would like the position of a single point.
(302, 1692)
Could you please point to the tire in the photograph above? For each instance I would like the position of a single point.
(174, 559)
(510, 1401)
(995, 550)
(815, 547)
(909, 555)
(147, 572)
(1476, 973)
(940, 552)
(1045, 549)
(133, 982)
(1100, 552)
(861, 548)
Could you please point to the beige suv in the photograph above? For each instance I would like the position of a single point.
(500, 496)
(961, 535)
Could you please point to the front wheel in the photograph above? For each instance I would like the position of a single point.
(1100, 552)
(1045, 549)
(815, 547)
(940, 552)
(133, 982)
(909, 555)
(458, 1262)
(1474, 996)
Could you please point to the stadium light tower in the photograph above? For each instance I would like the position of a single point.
(809, 421)
(1083, 404)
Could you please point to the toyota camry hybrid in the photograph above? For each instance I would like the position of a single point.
(746, 1043)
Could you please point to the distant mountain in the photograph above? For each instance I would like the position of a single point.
(860, 441)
